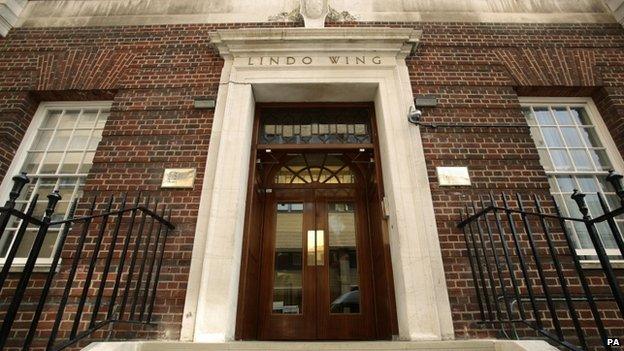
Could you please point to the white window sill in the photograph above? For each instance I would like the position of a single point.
(41, 266)
(595, 264)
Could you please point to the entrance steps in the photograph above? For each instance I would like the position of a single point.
(452, 345)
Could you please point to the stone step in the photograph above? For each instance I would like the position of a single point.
(453, 345)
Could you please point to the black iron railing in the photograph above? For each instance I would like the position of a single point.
(528, 276)
(136, 233)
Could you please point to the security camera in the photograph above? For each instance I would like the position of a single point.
(414, 115)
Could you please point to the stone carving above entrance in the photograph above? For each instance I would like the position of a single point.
(314, 12)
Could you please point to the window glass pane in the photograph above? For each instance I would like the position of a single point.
(87, 119)
(51, 162)
(588, 184)
(590, 137)
(562, 116)
(561, 160)
(71, 162)
(571, 137)
(59, 142)
(42, 140)
(580, 116)
(51, 119)
(68, 120)
(566, 183)
(543, 116)
(581, 159)
(32, 162)
(5, 242)
(552, 137)
(600, 159)
(605, 186)
(79, 140)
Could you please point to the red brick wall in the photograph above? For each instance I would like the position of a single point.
(477, 72)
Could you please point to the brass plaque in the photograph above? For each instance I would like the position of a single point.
(179, 178)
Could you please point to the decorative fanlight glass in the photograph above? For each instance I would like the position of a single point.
(343, 125)
(314, 168)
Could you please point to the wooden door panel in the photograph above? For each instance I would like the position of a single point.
(337, 290)
(287, 291)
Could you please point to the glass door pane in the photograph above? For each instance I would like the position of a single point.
(288, 266)
(344, 285)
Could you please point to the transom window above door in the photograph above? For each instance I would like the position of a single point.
(314, 168)
(335, 125)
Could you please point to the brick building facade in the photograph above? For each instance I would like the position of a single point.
(481, 73)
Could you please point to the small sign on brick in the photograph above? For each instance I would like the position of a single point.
(448, 176)
(178, 178)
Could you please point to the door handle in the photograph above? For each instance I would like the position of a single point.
(311, 254)
(315, 254)
(320, 247)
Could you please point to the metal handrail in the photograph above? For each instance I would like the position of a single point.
(502, 246)
(145, 257)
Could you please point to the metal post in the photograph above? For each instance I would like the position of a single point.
(49, 278)
(562, 281)
(579, 269)
(579, 198)
(135, 253)
(487, 267)
(122, 259)
(523, 266)
(157, 278)
(72, 274)
(617, 235)
(17, 241)
(11, 312)
(480, 270)
(109, 259)
(510, 265)
(472, 267)
(499, 270)
(137, 289)
(540, 271)
(149, 273)
(90, 271)
(19, 181)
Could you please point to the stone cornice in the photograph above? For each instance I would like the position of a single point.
(233, 43)
(9, 13)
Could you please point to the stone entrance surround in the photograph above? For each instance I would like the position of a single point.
(310, 65)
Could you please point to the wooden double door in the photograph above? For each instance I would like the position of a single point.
(316, 270)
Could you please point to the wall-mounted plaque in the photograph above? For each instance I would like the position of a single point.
(178, 178)
(453, 176)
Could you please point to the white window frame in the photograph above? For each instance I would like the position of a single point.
(42, 264)
(603, 134)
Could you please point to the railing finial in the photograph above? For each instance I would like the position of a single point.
(53, 199)
(579, 198)
(19, 181)
(616, 181)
